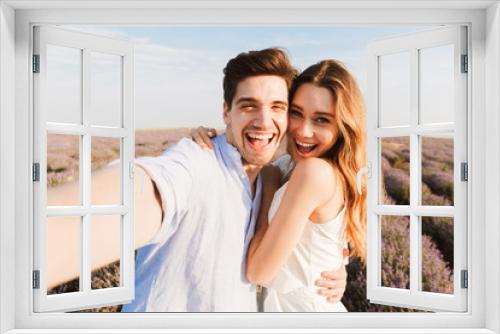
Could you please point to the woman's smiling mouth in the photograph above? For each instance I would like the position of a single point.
(304, 148)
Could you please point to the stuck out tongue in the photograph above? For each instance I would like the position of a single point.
(259, 143)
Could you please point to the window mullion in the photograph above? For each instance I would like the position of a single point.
(414, 172)
(414, 254)
(86, 174)
(54, 211)
(421, 210)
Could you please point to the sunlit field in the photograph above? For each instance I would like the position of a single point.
(437, 189)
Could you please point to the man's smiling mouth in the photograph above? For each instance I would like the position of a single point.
(260, 141)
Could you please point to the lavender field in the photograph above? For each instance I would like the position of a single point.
(437, 232)
(63, 151)
(437, 189)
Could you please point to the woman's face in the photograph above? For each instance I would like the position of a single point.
(312, 128)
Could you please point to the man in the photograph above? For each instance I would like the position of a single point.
(210, 199)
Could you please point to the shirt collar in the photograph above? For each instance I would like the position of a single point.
(232, 158)
(229, 153)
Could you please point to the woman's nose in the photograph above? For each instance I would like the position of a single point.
(305, 130)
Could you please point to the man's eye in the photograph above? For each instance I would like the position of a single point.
(247, 107)
(280, 108)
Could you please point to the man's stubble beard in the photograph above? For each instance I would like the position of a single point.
(246, 162)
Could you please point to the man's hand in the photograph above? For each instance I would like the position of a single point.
(333, 283)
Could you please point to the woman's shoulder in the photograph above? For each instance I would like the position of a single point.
(316, 171)
(316, 177)
(315, 167)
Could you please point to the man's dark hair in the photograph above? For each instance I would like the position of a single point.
(272, 61)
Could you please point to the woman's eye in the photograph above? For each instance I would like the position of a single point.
(322, 120)
(295, 113)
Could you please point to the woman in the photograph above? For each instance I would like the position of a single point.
(317, 208)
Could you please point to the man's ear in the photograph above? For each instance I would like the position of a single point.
(225, 113)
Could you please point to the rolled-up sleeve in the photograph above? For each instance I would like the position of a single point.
(174, 174)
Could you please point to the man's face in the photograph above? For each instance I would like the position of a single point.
(257, 118)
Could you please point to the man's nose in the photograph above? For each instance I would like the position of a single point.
(265, 118)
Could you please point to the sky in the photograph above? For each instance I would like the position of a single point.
(178, 69)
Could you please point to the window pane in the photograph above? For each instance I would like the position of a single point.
(63, 169)
(395, 89)
(63, 267)
(437, 254)
(106, 171)
(106, 250)
(64, 85)
(437, 169)
(437, 85)
(395, 233)
(106, 89)
(395, 167)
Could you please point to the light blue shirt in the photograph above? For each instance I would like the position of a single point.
(196, 262)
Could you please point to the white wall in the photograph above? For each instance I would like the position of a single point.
(7, 189)
(7, 166)
(492, 204)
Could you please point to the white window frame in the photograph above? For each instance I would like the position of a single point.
(16, 20)
(411, 44)
(86, 297)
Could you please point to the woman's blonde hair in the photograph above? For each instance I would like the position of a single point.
(348, 154)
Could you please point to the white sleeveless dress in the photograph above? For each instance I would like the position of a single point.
(319, 249)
